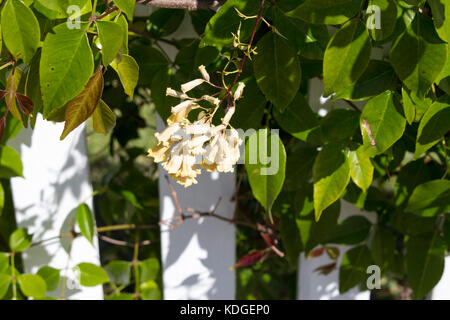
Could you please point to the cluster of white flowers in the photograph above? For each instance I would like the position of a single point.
(185, 147)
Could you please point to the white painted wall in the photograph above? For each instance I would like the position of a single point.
(56, 180)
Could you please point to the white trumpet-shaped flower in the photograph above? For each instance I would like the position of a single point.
(183, 143)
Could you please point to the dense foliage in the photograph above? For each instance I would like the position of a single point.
(383, 145)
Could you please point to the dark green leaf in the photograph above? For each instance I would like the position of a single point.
(353, 268)
(326, 11)
(424, 262)
(277, 70)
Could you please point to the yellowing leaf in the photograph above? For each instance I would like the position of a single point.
(128, 71)
(103, 118)
(83, 106)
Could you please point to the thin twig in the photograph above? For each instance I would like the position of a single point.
(351, 104)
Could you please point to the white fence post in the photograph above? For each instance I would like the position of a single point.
(56, 181)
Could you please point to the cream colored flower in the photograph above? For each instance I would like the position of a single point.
(158, 152)
(183, 142)
(181, 111)
(164, 137)
(204, 73)
(239, 90)
(172, 93)
(191, 85)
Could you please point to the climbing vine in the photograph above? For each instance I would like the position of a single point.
(377, 137)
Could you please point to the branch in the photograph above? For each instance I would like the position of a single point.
(183, 4)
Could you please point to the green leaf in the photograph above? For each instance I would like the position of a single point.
(382, 124)
(353, 268)
(66, 66)
(57, 9)
(5, 281)
(103, 118)
(20, 30)
(122, 21)
(326, 11)
(19, 240)
(387, 19)
(2, 199)
(430, 198)
(33, 88)
(376, 79)
(51, 276)
(446, 230)
(91, 275)
(128, 71)
(4, 262)
(409, 109)
(383, 248)
(424, 262)
(331, 175)
(265, 162)
(289, 230)
(352, 230)
(150, 291)
(277, 70)
(418, 56)
(162, 80)
(85, 221)
(149, 269)
(32, 285)
(111, 38)
(127, 7)
(226, 21)
(250, 112)
(299, 166)
(315, 232)
(361, 169)
(10, 163)
(150, 61)
(441, 10)
(119, 272)
(339, 125)
(82, 106)
(433, 126)
(299, 120)
(346, 57)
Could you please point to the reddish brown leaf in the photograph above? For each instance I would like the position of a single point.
(24, 103)
(2, 127)
(267, 239)
(326, 269)
(249, 259)
(316, 253)
(83, 106)
(3, 93)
